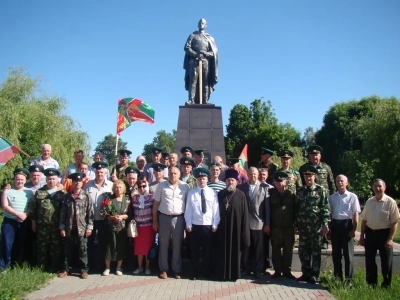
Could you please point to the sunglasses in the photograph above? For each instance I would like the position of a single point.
(142, 186)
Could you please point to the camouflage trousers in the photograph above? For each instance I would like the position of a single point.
(48, 248)
(282, 241)
(310, 253)
(75, 250)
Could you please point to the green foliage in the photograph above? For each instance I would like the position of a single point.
(308, 138)
(107, 147)
(258, 127)
(21, 280)
(29, 118)
(360, 290)
(163, 140)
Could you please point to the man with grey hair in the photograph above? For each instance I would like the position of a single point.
(140, 163)
(378, 227)
(345, 208)
(46, 161)
(168, 209)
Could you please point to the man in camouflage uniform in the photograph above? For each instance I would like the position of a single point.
(324, 176)
(131, 177)
(283, 208)
(267, 163)
(45, 214)
(187, 165)
(293, 179)
(76, 225)
(118, 172)
(312, 215)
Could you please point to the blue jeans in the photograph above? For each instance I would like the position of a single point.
(13, 235)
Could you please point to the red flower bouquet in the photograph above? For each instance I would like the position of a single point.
(109, 208)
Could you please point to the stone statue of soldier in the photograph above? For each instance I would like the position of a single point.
(201, 65)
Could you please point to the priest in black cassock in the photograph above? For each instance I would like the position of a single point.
(233, 234)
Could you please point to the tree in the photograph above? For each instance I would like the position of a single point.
(308, 138)
(107, 147)
(29, 118)
(162, 140)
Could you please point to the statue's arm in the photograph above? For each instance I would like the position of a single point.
(188, 47)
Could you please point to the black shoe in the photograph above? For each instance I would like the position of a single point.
(385, 285)
(324, 246)
(303, 278)
(244, 273)
(312, 280)
(289, 275)
(258, 275)
(276, 275)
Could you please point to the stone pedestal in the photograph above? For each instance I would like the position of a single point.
(200, 127)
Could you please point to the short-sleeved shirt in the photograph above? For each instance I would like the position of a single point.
(380, 214)
(96, 195)
(18, 200)
(172, 200)
(51, 163)
(343, 207)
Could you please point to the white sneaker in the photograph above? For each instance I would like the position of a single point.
(118, 272)
(106, 272)
(148, 272)
(137, 271)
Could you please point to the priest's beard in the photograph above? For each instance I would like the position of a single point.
(230, 188)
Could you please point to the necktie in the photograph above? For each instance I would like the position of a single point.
(203, 202)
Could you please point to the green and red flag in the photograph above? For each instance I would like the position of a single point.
(243, 158)
(132, 109)
(7, 151)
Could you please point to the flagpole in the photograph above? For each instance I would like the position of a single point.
(116, 145)
(20, 150)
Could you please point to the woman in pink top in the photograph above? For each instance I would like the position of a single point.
(141, 211)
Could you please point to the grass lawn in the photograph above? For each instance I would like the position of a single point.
(396, 238)
(360, 290)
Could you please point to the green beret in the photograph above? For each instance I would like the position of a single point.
(22, 171)
(124, 152)
(77, 176)
(215, 164)
(201, 172)
(98, 165)
(158, 167)
(156, 150)
(36, 168)
(186, 149)
(280, 176)
(187, 161)
(285, 153)
(267, 151)
(130, 170)
(309, 169)
(314, 149)
(199, 151)
(51, 172)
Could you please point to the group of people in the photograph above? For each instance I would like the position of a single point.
(224, 216)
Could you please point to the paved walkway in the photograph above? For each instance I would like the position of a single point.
(151, 287)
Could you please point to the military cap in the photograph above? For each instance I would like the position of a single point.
(201, 172)
(233, 161)
(309, 169)
(22, 171)
(158, 167)
(186, 149)
(51, 172)
(231, 173)
(36, 168)
(99, 165)
(156, 150)
(77, 176)
(285, 153)
(215, 164)
(266, 151)
(280, 176)
(186, 161)
(130, 170)
(199, 151)
(314, 149)
(124, 152)
(165, 155)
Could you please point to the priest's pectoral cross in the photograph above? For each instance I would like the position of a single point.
(226, 205)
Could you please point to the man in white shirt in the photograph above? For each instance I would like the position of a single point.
(202, 218)
(345, 208)
(168, 220)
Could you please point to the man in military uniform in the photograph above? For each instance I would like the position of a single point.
(199, 159)
(118, 172)
(187, 151)
(155, 158)
(131, 177)
(187, 164)
(312, 216)
(293, 179)
(45, 214)
(158, 170)
(267, 163)
(165, 158)
(324, 176)
(36, 172)
(283, 205)
(76, 225)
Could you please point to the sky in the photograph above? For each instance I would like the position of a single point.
(303, 56)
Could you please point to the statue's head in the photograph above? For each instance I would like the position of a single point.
(202, 24)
